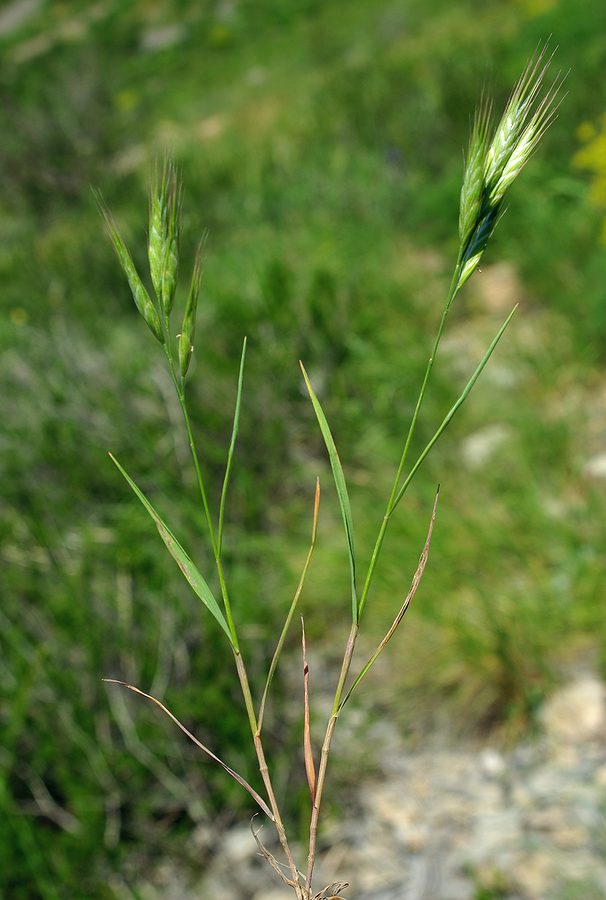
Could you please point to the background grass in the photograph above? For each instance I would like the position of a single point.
(321, 148)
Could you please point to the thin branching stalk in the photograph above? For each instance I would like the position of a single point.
(282, 639)
(494, 159)
(325, 753)
(454, 287)
(239, 661)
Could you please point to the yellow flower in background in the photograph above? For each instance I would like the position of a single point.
(591, 157)
(533, 8)
(18, 316)
(125, 100)
(586, 131)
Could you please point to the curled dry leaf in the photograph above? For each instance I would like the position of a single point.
(269, 857)
(332, 892)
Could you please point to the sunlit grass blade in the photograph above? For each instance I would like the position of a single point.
(341, 486)
(253, 793)
(293, 606)
(232, 446)
(447, 419)
(175, 549)
(403, 609)
(310, 769)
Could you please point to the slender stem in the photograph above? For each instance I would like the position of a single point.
(180, 389)
(264, 770)
(279, 825)
(230, 452)
(452, 292)
(211, 532)
(241, 670)
(274, 663)
(200, 479)
(394, 497)
(315, 812)
(240, 666)
(179, 384)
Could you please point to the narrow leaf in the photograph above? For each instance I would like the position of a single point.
(232, 446)
(453, 410)
(293, 606)
(341, 486)
(409, 597)
(310, 768)
(198, 744)
(175, 549)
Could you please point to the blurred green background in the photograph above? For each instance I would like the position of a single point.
(321, 146)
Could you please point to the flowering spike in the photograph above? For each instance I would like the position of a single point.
(140, 295)
(188, 329)
(163, 241)
(473, 179)
(492, 165)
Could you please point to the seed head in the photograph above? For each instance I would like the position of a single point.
(491, 166)
(140, 295)
(473, 179)
(163, 243)
(188, 329)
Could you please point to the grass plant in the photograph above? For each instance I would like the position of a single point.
(494, 159)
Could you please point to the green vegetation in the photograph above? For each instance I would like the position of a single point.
(322, 146)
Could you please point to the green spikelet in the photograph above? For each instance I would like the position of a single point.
(525, 120)
(473, 179)
(169, 275)
(492, 165)
(163, 241)
(171, 248)
(188, 329)
(156, 230)
(140, 295)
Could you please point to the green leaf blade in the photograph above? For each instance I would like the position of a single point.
(232, 447)
(453, 410)
(186, 565)
(340, 485)
(418, 575)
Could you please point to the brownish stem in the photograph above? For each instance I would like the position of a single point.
(315, 812)
(264, 770)
(299, 891)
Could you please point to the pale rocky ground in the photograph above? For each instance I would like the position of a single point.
(453, 823)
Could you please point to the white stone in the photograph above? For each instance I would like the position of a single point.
(16, 14)
(479, 447)
(534, 875)
(494, 833)
(576, 712)
(497, 288)
(596, 466)
(492, 762)
(238, 844)
(162, 37)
